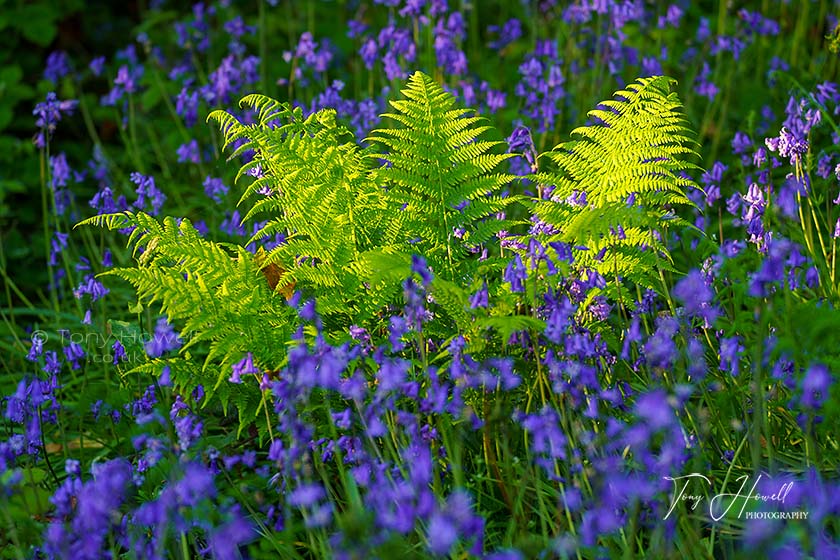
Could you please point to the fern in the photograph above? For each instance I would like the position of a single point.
(638, 149)
(351, 227)
(215, 290)
(317, 193)
(441, 175)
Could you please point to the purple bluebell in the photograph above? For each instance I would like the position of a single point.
(119, 352)
(703, 85)
(243, 367)
(730, 350)
(516, 274)
(189, 152)
(147, 193)
(58, 66)
(215, 188)
(509, 32)
(49, 114)
(481, 297)
(816, 384)
(163, 340)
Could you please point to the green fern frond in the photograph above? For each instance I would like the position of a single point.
(640, 148)
(439, 173)
(216, 291)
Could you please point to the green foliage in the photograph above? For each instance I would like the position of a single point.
(350, 224)
(437, 164)
(319, 195)
(637, 147)
(215, 290)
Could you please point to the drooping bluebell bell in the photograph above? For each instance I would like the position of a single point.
(816, 385)
(730, 350)
(58, 66)
(507, 33)
(147, 193)
(244, 367)
(189, 152)
(49, 114)
(164, 339)
(516, 274)
(480, 299)
(703, 85)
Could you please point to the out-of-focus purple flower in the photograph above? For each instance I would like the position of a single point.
(697, 296)
(97, 65)
(703, 85)
(507, 33)
(147, 192)
(824, 167)
(49, 114)
(189, 152)
(215, 188)
(480, 298)
(660, 350)
(163, 340)
(306, 495)
(243, 367)
(516, 274)
(672, 17)
(421, 268)
(186, 106)
(730, 350)
(442, 535)
(224, 541)
(196, 485)
(58, 66)
(815, 386)
(654, 408)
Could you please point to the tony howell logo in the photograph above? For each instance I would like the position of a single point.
(719, 505)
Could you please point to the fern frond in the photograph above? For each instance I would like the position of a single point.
(640, 148)
(436, 165)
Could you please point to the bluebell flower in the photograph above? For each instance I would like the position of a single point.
(49, 114)
(58, 66)
(119, 352)
(730, 349)
(147, 192)
(215, 188)
(189, 152)
(516, 274)
(243, 367)
(164, 339)
(224, 541)
(52, 365)
(186, 106)
(90, 285)
(196, 485)
(509, 32)
(703, 85)
(97, 65)
(816, 384)
(480, 298)
(672, 17)
(660, 350)
(695, 292)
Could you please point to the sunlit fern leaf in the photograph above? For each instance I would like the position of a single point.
(639, 150)
(216, 291)
(440, 175)
(314, 190)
